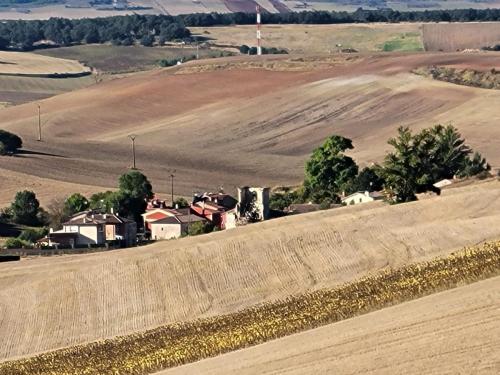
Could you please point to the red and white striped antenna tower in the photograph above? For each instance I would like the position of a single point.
(259, 47)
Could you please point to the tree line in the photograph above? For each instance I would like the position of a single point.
(119, 30)
(147, 29)
(416, 163)
(334, 17)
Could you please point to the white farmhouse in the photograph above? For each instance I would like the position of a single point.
(362, 197)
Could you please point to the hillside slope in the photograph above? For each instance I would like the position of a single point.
(243, 120)
(75, 299)
(453, 332)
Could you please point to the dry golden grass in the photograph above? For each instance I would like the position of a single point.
(176, 344)
(452, 332)
(318, 38)
(124, 291)
(23, 63)
(460, 36)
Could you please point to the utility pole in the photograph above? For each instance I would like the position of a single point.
(133, 137)
(197, 50)
(172, 175)
(39, 125)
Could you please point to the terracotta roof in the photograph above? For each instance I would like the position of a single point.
(92, 218)
(179, 219)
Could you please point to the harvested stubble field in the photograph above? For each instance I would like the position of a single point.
(131, 290)
(24, 63)
(320, 38)
(453, 332)
(23, 77)
(176, 344)
(267, 115)
(460, 36)
(120, 59)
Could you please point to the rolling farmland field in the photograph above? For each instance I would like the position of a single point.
(121, 59)
(25, 77)
(455, 331)
(320, 38)
(459, 36)
(123, 291)
(177, 112)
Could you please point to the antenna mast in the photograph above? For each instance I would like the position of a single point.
(259, 47)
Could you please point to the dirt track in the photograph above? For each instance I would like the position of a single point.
(454, 332)
(128, 290)
(233, 123)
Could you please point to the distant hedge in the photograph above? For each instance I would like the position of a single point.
(9, 142)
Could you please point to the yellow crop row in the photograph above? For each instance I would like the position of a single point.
(176, 344)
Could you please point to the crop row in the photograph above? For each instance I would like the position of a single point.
(177, 344)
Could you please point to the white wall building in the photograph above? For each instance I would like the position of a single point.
(362, 197)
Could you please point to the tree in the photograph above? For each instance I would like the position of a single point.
(134, 191)
(25, 208)
(422, 159)
(329, 170)
(475, 166)
(57, 213)
(147, 40)
(135, 184)
(368, 179)
(244, 49)
(181, 203)
(4, 43)
(399, 168)
(9, 142)
(104, 201)
(76, 203)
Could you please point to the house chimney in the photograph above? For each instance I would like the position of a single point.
(367, 193)
(51, 230)
(112, 210)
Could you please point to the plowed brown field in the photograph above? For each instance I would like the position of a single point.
(47, 303)
(242, 120)
(454, 332)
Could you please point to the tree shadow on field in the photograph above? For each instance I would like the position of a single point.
(27, 153)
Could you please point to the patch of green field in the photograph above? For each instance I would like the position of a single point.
(404, 42)
(122, 59)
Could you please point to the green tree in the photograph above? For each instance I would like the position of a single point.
(399, 168)
(10, 142)
(421, 160)
(181, 203)
(76, 203)
(32, 235)
(147, 40)
(474, 166)
(329, 170)
(368, 179)
(134, 190)
(104, 201)
(25, 208)
(135, 184)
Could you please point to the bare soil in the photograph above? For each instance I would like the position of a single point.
(238, 121)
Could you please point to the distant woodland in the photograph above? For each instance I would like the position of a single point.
(149, 29)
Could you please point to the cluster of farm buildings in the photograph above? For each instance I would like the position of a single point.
(162, 222)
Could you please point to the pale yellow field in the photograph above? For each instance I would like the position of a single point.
(75, 299)
(453, 332)
(317, 38)
(24, 63)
